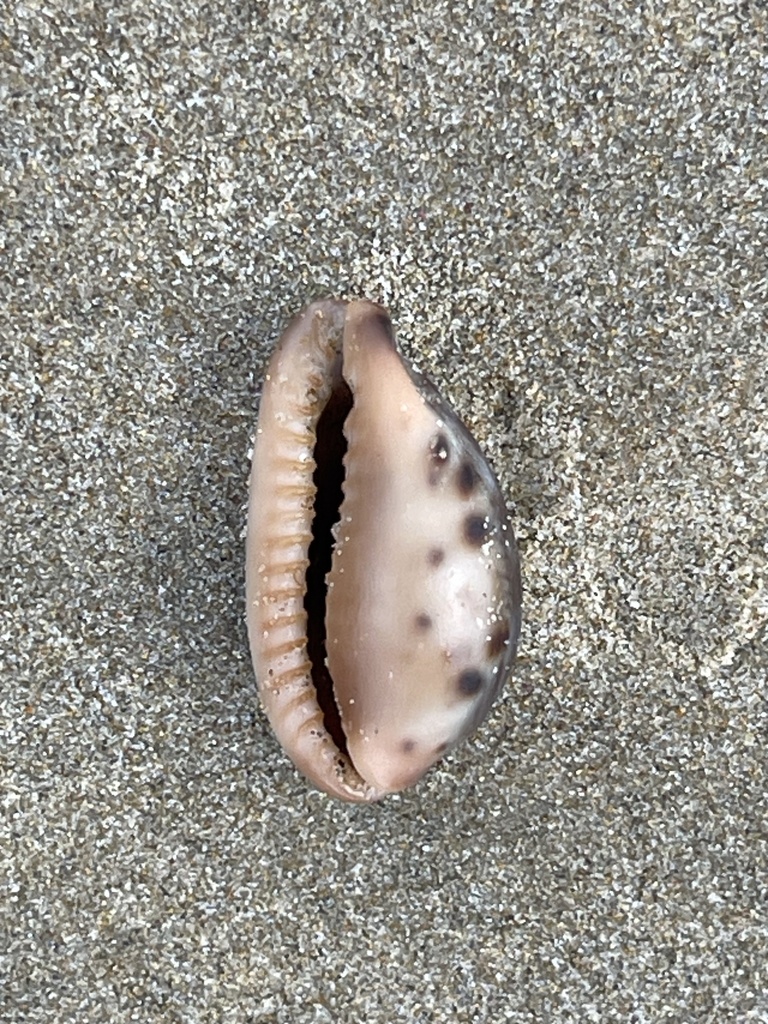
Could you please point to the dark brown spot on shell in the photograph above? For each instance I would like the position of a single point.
(498, 641)
(475, 530)
(408, 746)
(423, 621)
(466, 479)
(439, 452)
(470, 682)
(435, 556)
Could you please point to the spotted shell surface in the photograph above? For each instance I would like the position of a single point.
(382, 576)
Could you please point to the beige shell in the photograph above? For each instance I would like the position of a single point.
(380, 630)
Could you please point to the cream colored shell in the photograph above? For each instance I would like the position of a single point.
(422, 608)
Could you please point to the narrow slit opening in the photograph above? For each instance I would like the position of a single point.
(328, 478)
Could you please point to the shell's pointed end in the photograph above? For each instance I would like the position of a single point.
(393, 768)
(382, 577)
(369, 323)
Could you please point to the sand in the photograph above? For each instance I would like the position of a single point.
(565, 207)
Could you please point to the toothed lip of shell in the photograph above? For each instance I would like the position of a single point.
(382, 576)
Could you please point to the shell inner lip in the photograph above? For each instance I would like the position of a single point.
(328, 478)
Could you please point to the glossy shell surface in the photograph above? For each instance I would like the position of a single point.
(382, 577)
